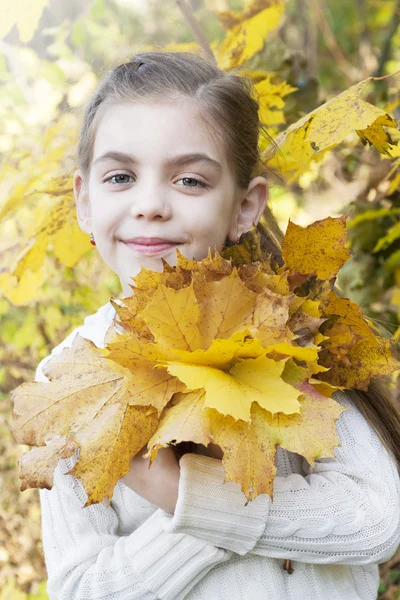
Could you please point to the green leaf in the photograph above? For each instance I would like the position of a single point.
(372, 215)
(78, 34)
(382, 588)
(98, 9)
(392, 235)
(393, 261)
(52, 73)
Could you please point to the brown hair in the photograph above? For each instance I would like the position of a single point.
(228, 104)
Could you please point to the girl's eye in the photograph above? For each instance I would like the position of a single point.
(117, 179)
(118, 175)
(201, 184)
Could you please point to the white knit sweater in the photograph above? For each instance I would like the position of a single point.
(336, 522)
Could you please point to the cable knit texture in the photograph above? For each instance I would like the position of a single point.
(336, 522)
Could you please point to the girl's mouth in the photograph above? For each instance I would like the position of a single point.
(150, 249)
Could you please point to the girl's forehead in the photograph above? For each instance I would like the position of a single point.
(157, 126)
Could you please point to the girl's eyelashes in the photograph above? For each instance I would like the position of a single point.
(201, 184)
(109, 179)
(117, 175)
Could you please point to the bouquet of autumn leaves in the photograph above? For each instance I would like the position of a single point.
(238, 351)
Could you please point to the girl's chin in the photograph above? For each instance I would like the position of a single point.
(153, 263)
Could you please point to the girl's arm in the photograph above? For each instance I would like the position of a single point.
(158, 484)
(87, 557)
(344, 511)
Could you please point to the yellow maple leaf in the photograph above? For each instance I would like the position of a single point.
(271, 100)
(366, 359)
(128, 315)
(149, 385)
(247, 36)
(185, 420)
(257, 280)
(233, 392)
(352, 351)
(270, 95)
(36, 468)
(325, 127)
(320, 248)
(350, 315)
(223, 354)
(230, 19)
(88, 402)
(305, 322)
(303, 354)
(107, 446)
(248, 251)
(249, 447)
(376, 136)
(225, 306)
(271, 314)
(172, 317)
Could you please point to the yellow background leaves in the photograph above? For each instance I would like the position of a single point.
(25, 16)
(247, 33)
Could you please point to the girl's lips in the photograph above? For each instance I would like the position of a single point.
(150, 249)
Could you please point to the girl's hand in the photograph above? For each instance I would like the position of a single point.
(159, 484)
(214, 451)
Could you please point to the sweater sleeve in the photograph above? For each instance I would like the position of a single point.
(86, 557)
(344, 511)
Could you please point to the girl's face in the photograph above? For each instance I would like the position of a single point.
(160, 181)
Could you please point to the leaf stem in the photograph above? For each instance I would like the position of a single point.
(385, 76)
(287, 566)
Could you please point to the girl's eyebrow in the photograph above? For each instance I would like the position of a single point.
(179, 160)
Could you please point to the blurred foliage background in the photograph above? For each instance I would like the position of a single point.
(51, 277)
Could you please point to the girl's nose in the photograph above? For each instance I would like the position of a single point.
(152, 204)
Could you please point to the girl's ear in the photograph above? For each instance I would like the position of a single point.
(82, 202)
(251, 206)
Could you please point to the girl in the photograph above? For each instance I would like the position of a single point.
(168, 158)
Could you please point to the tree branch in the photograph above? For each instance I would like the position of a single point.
(329, 38)
(368, 60)
(387, 46)
(362, 9)
(195, 28)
